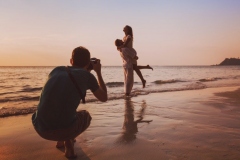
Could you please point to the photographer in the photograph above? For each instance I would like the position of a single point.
(56, 117)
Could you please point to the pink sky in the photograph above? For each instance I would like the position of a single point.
(42, 33)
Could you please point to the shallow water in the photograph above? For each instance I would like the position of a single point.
(21, 86)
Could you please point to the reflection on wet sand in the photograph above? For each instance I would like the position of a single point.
(130, 127)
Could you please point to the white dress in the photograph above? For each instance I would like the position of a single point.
(130, 51)
(127, 70)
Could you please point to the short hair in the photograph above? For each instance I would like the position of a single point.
(118, 42)
(80, 56)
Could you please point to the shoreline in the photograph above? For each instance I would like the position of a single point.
(29, 107)
(191, 124)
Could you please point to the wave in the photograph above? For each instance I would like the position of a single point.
(236, 77)
(120, 84)
(167, 81)
(6, 87)
(115, 84)
(23, 78)
(209, 79)
(31, 89)
(6, 112)
(17, 99)
(197, 85)
(6, 93)
(23, 90)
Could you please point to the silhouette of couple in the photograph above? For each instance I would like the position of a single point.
(129, 57)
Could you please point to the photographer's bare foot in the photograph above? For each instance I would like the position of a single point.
(69, 149)
(149, 67)
(60, 144)
(144, 83)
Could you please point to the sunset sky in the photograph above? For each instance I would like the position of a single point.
(166, 32)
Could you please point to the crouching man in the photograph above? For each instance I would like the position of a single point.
(56, 117)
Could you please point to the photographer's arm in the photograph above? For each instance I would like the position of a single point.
(101, 92)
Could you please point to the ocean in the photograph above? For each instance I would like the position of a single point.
(21, 86)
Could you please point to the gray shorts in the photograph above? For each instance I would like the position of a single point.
(82, 123)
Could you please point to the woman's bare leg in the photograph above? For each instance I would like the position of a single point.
(139, 73)
(145, 67)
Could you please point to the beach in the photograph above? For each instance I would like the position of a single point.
(194, 124)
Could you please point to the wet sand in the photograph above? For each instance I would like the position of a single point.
(198, 124)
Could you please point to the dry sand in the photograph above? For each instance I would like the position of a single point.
(195, 125)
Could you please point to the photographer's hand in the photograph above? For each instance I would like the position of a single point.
(101, 94)
(97, 66)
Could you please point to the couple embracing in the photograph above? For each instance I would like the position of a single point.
(129, 57)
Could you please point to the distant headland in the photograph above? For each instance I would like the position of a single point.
(230, 61)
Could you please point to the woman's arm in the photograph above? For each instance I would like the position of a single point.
(125, 43)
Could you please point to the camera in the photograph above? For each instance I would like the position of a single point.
(92, 60)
